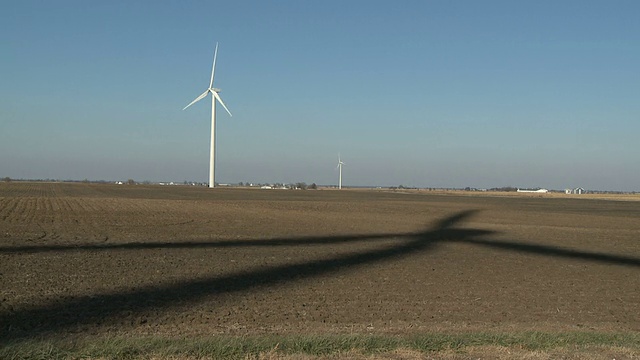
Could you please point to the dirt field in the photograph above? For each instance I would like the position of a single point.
(182, 261)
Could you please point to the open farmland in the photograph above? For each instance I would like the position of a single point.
(177, 261)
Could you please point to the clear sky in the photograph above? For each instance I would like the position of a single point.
(420, 93)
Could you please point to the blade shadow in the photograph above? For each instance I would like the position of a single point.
(299, 241)
(554, 251)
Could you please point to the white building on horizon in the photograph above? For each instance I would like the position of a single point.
(540, 191)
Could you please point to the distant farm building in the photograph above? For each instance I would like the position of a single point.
(540, 191)
(577, 190)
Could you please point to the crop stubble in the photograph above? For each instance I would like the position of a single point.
(183, 261)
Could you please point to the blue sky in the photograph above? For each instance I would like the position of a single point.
(419, 93)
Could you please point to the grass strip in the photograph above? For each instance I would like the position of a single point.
(226, 347)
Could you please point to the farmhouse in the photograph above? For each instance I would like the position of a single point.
(577, 190)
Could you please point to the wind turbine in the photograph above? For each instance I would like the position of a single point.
(214, 96)
(339, 167)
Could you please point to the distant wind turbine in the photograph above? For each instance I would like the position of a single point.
(339, 167)
(214, 96)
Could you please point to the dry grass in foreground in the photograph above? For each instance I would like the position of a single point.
(533, 345)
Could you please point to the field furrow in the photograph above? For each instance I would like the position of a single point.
(7, 208)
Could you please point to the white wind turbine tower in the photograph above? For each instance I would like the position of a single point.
(214, 96)
(339, 167)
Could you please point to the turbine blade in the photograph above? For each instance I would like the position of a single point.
(213, 69)
(215, 94)
(197, 99)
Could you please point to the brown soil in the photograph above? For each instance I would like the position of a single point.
(189, 261)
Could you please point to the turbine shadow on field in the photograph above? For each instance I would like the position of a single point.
(75, 314)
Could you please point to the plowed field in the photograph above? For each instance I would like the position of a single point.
(181, 261)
